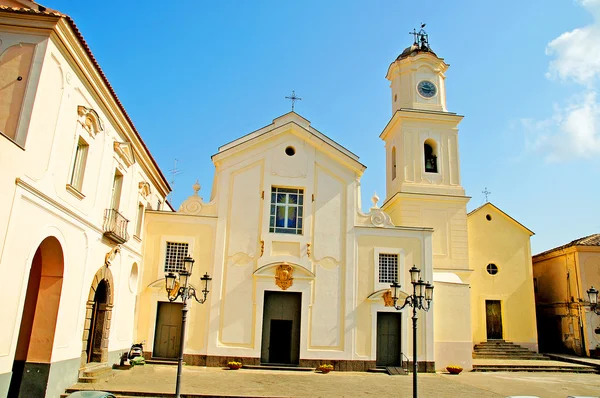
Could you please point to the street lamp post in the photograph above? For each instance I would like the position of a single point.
(176, 284)
(420, 300)
(593, 296)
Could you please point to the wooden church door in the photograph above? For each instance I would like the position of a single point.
(493, 319)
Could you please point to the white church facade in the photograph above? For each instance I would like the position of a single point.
(285, 204)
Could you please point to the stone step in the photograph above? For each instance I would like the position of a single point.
(157, 361)
(530, 368)
(521, 357)
(504, 353)
(278, 367)
(377, 370)
(492, 350)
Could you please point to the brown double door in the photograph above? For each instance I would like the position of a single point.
(168, 330)
(493, 319)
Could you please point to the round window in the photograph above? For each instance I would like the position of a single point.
(133, 278)
(492, 269)
(290, 151)
(488, 217)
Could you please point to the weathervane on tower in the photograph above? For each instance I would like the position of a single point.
(293, 98)
(421, 38)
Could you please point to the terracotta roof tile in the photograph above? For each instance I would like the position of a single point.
(49, 12)
(590, 240)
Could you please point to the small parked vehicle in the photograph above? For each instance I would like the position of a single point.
(136, 350)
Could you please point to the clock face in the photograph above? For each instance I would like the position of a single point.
(427, 89)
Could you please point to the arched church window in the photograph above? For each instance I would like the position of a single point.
(430, 157)
(393, 163)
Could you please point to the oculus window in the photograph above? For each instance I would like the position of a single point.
(286, 210)
(492, 269)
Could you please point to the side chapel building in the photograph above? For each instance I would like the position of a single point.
(301, 274)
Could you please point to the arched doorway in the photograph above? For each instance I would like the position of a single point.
(97, 318)
(31, 365)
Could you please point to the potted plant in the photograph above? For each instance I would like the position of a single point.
(233, 365)
(454, 369)
(325, 368)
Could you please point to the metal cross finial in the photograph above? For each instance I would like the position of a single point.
(486, 193)
(293, 98)
(415, 34)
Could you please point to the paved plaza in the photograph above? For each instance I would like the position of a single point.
(200, 381)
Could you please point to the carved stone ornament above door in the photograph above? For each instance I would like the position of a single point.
(283, 276)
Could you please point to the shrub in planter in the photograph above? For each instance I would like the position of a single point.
(325, 368)
(233, 365)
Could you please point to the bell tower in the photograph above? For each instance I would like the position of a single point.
(423, 187)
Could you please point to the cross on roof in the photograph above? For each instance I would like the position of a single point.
(486, 193)
(293, 98)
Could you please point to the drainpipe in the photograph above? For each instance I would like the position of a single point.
(579, 312)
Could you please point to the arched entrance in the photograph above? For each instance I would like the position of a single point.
(98, 313)
(31, 365)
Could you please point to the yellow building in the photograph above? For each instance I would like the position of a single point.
(502, 298)
(562, 276)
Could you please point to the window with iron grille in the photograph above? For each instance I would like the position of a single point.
(388, 268)
(174, 256)
(286, 210)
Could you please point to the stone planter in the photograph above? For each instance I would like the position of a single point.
(453, 370)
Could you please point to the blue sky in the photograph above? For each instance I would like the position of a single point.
(196, 75)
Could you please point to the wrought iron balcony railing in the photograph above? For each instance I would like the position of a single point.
(115, 226)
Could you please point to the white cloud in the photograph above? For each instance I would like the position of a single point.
(573, 129)
(577, 55)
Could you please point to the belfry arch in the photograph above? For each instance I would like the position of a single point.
(98, 315)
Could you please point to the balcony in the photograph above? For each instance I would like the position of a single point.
(115, 226)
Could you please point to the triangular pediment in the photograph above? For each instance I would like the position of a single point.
(300, 127)
(497, 211)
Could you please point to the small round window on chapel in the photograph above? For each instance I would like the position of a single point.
(492, 269)
(290, 151)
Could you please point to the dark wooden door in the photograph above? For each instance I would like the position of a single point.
(281, 328)
(388, 339)
(168, 330)
(493, 319)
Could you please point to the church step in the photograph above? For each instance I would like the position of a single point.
(377, 370)
(533, 368)
(279, 367)
(157, 361)
(524, 357)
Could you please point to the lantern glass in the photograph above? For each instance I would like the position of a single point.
(206, 279)
(395, 287)
(188, 264)
(414, 274)
(183, 279)
(428, 291)
(420, 285)
(170, 280)
(593, 295)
